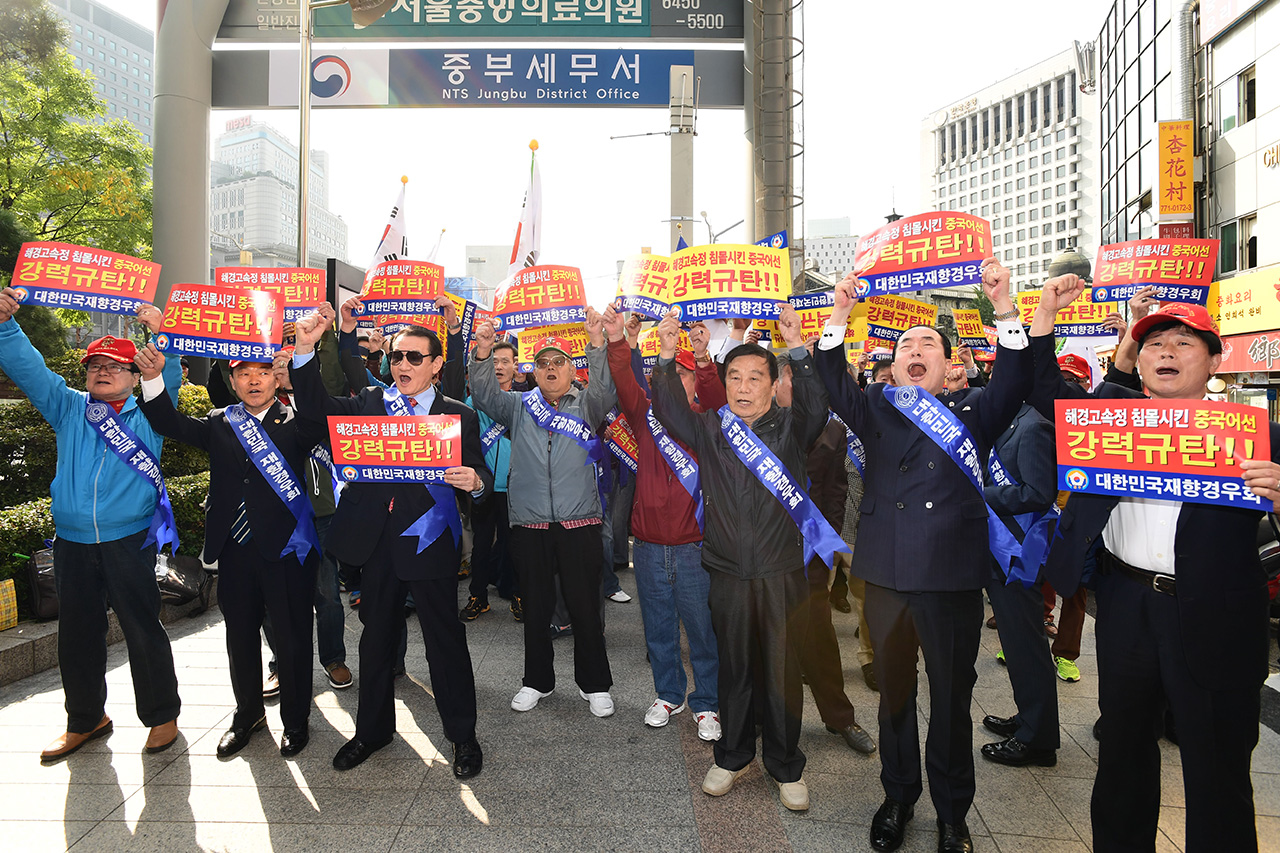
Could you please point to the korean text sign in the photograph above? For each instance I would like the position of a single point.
(939, 249)
(402, 287)
(221, 322)
(529, 340)
(643, 286)
(729, 280)
(378, 449)
(1181, 270)
(300, 289)
(650, 347)
(1176, 180)
(540, 296)
(1248, 303)
(1177, 450)
(889, 316)
(63, 275)
(1081, 319)
(621, 440)
(969, 327)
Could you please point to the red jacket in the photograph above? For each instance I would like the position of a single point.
(662, 512)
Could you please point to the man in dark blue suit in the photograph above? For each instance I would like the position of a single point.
(1182, 604)
(924, 552)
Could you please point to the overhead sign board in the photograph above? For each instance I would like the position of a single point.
(453, 20)
(470, 77)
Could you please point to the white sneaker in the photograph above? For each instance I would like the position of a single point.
(527, 699)
(720, 781)
(601, 703)
(795, 795)
(620, 597)
(660, 713)
(708, 725)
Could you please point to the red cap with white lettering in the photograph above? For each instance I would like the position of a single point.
(1195, 316)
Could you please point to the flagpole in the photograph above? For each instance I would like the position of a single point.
(305, 8)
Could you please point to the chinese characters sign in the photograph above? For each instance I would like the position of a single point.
(300, 289)
(729, 280)
(642, 286)
(1176, 179)
(221, 322)
(940, 249)
(1175, 450)
(402, 287)
(540, 296)
(528, 340)
(1249, 303)
(969, 327)
(62, 275)
(1081, 319)
(377, 449)
(1182, 270)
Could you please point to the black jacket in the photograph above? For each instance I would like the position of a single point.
(748, 533)
(1026, 451)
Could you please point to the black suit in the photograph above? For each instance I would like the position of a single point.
(923, 550)
(1204, 648)
(253, 579)
(366, 532)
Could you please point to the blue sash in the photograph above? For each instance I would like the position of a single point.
(947, 431)
(1024, 566)
(432, 523)
(272, 465)
(491, 436)
(682, 464)
(125, 444)
(546, 416)
(819, 538)
(852, 446)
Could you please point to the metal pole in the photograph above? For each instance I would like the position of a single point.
(304, 124)
(681, 127)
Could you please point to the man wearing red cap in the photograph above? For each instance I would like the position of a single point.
(1182, 604)
(103, 511)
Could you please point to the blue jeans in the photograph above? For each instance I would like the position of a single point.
(330, 617)
(673, 588)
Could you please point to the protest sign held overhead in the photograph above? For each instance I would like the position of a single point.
(1180, 450)
(729, 280)
(300, 289)
(540, 296)
(969, 327)
(889, 316)
(376, 449)
(402, 287)
(1081, 319)
(650, 346)
(621, 441)
(221, 322)
(1181, 270)
(81, 278)
(643, 286)
(939, 249)
(529, 341)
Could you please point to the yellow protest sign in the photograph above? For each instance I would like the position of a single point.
(529, 341)
(650, 346)
(729, 280)
(969, 327)
(1248, 303)
(1081, 319)
(889, 316)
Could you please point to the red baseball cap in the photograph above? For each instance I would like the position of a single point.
(1076, 366)
(117, 349)
(555, 343)
(685, 359)
(1194, 316)
(983, 355)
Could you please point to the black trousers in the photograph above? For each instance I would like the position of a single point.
(820, 654)
(491, 555)
(947, 627)
(250, 586)
(1141, 659)
(1020, 622)
(577, 557)
(453, 683)
(760, 625)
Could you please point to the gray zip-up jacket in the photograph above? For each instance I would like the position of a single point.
(549, 479)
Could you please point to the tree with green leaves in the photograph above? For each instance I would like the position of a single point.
(984, 306)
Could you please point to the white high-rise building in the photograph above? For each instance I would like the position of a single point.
(831, 256)
(1021, 154)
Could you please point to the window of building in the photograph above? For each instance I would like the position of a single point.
(986, 179)
(1062, 225)
(79, 30)
(973, 198)
(1035, 266)
(1022, 251)
(1008, 254)
(1022, 217)
(1034, 144)
(1035, 179)
(1008, 171)
(1022, 149)
(985, 194)
(1060, 172)
(986, 208)
(1060, 190)
(1008, 186)
(1046, 158)
(1022, 234)
(995, 240)
(1022, 167)
(1033, 214)
(1022, 183)
(1048, 246)
(1034, 231)
(1033, 250)
(1008, 222)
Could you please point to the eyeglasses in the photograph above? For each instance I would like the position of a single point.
(107, 367)
(545, 363)
(399, 355)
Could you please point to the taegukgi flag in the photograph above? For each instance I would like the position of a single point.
(528, 243)
(394, 244)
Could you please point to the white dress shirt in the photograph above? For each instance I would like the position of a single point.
(1010, 334)
(1141, 532)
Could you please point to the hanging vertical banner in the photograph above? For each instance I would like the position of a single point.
(889, 316)
(402, 287)
(221, 322)
(540, 296)
(1181, 270)
(1081, 319)
(81, 278)
(300, 289)
(1176, 178)
(940, 249)
(728, 280)
(643, 286)
(969, 327)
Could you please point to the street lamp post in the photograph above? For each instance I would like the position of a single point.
(714, 235)
(305, 8)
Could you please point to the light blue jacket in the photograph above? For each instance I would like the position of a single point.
(96, 497)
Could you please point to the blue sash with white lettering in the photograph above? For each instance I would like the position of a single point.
(266, 457)
(682, 464)
(951, 435)
(444, 514)
(491, 436)
(852, 445)
(546, 416)
(819, 538)
(1024, 566)
(126, 445)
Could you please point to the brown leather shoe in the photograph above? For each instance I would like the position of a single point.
(162, 736)
(69, 742)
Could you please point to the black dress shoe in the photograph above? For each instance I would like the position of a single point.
(890, 823)
(467, 759)
(839, 602)
(869, 676)
(1015, 753)
(294, 741)
(954, 838)
(855, 738)
(354, 752)
(237, 738)
(1003, 726)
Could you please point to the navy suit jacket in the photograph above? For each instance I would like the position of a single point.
(923, 526)
(1026, 451)
(1222, 589)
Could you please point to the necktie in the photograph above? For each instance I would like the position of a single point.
(240, 531)
(413, 404)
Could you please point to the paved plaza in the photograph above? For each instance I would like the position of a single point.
(555, 778)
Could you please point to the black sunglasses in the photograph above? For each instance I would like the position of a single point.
(399, 355)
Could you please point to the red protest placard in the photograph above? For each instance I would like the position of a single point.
(1182, 270)
(621, 441)
(221, 322)
(379, 449)
(300, 289)
(402, 287)
(540, 296)
(939, 249)
(63, 275)
(1181, 450)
